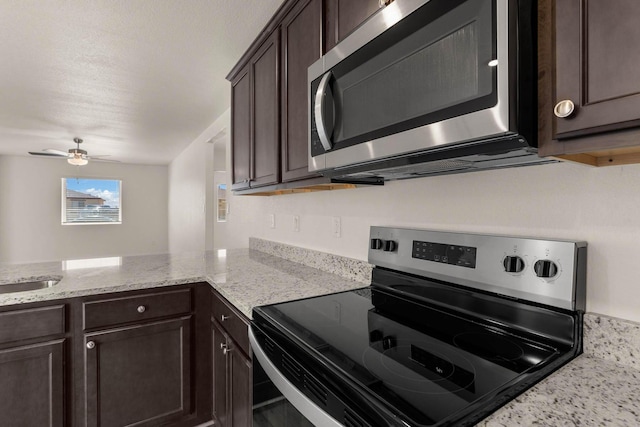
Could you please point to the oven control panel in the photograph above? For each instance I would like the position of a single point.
(551, 272)
(463, 256)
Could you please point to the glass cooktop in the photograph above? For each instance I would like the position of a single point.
(422, 362)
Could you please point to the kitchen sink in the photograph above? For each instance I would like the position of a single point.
(27, 286)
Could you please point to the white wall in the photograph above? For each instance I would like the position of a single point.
(191, 192)
(565, 201)
(30, 210)
(187, 199)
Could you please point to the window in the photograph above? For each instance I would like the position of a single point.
(91, 201)
(222, 202)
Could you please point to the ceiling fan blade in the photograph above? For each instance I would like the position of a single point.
(38, 153)
(98, 159)
(54, 151)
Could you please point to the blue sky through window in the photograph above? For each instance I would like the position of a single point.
(108, 189)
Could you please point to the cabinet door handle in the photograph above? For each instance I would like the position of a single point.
(141, 309)
(225, 348)
(564, 108)
(223, 318)
(91, 345)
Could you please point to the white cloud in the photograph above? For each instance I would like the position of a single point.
(110, 198)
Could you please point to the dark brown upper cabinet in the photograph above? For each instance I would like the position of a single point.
(301, 43)
(241, 130)
(589, 92)
(255, 106)
(344, 16)
(270, 97)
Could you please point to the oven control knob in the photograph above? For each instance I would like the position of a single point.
(388, 342)
(376, 244)
(545, 268)
(389, 246)
(513, 264)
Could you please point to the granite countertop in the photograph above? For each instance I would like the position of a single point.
(246, 277)
(599, 388)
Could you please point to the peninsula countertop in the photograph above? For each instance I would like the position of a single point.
(245, 277)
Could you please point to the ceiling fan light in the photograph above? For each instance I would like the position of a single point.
(77, 161)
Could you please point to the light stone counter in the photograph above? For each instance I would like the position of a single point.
(599, 388)
(246, 277)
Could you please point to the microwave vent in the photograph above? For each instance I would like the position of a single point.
(417, 170)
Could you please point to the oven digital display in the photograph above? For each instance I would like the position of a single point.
(463, 256)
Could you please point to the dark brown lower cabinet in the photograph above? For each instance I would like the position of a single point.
(241, 396)
(32, 385)
(139, 375)
(136, 358)
(231, 381)
(220, 374)
(232, 369)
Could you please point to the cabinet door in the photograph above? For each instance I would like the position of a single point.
(344, 16)
(241, 130)
(301, 47)
(597, 62)
(240, 386)
(220, 387)
(266, 87)
(139, 375)
(32, 385)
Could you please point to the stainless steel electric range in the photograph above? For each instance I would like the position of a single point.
(452, 327)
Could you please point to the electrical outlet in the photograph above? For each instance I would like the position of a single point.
(272, 221)
(337, 227)
(296, 223)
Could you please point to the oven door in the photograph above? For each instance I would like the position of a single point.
(276, 401)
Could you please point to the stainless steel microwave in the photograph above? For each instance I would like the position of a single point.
(427, 87)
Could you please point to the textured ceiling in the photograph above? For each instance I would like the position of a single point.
(136, 79)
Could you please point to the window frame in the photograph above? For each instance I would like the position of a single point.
(219, 199)
(63, 215)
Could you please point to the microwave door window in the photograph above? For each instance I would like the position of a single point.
(431, 74)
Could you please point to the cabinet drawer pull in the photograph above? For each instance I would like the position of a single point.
(141, 309)
(223, 318)
(564, 109)
(226, 350)
(91, 345)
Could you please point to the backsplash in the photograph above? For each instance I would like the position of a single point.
(348, 268)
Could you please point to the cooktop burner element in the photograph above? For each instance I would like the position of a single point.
(444, 335)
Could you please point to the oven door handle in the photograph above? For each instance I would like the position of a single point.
(301, 402)
(323, 95)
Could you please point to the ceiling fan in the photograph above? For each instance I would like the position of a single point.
(75, 156)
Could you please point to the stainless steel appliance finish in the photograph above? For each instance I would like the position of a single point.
(510, 266)
(453, 326)
(446, 130)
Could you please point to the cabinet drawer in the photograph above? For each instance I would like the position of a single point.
(114, 311)
(232, 321)
(31, 323)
